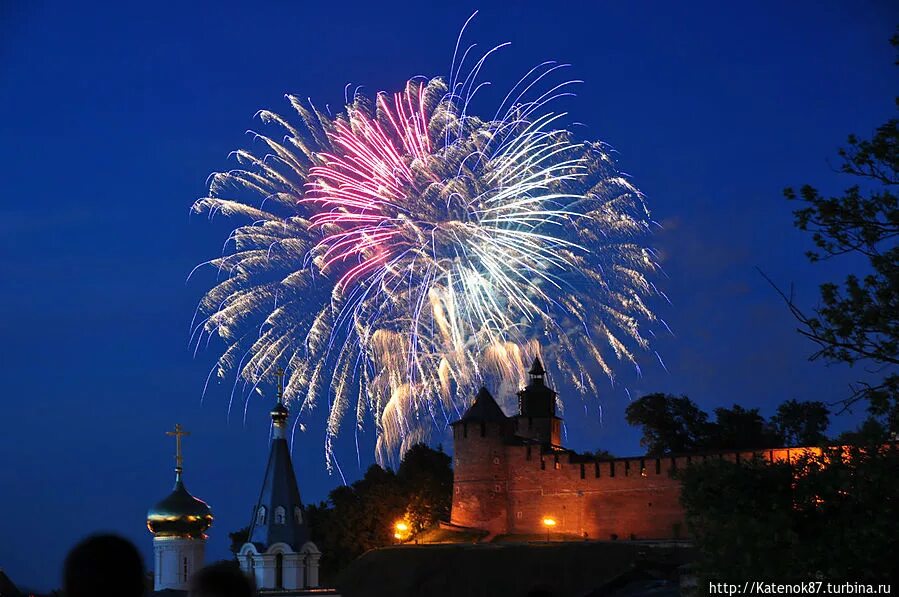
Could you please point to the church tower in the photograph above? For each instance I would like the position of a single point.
(537, 418)
(278, 553)
(178, 523)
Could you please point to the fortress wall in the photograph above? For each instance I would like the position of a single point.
(505, 488)
(593, 499)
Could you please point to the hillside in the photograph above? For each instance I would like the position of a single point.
(562, 569)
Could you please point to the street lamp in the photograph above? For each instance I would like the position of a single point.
(549, 523)
(401, 528)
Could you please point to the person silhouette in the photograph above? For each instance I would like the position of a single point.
(222, 579)
(104, 566)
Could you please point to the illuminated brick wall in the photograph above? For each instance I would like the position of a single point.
(503, 487)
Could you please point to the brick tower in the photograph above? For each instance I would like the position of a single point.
(480, 484)
(537, 418)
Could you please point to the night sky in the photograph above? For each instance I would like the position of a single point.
(113, 116)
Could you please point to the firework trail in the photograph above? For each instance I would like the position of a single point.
(397, 255)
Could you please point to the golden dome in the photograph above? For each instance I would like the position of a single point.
(180, 515)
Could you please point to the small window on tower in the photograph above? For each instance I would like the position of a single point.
(496, 460)
(518, 515)
(279, 515)
(298, 515)
(497, 488)
(260, 515)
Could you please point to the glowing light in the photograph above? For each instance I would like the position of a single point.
(402, 527)
(398, 255)
(549, 522)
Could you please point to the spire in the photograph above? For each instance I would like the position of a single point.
(537, 371)
(279, 413)
(178, 433)
(279, 516)
(537, 399)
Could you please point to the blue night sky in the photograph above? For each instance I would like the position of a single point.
(113, 116)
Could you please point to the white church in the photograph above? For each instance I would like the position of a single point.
(278, 554)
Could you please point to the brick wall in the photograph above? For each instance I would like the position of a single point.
(506, 488)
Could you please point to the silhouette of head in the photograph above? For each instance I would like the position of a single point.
(222, 579)
(104, 566)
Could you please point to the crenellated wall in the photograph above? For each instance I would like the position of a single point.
(510, 487)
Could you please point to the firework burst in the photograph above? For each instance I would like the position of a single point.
(397, 255)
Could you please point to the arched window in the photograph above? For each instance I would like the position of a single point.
(279, 571)
(298, 514)
(279, 515)
(260, 515)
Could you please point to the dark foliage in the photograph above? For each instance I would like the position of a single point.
(801, 423)
(738, 428)
(238, 538)
(857, 321)
(670, 423)
(870, 432)
(675, 424)
(426, 479)
(834, 515)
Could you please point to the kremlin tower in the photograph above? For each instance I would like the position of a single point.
(178, 523)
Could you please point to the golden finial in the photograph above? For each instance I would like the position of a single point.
(178, 433)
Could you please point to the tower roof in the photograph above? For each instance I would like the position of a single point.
(179, 515)
(484, 408)
(279, 516)
(537, 399)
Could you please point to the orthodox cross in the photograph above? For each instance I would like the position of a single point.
(280, 375)
(178, 433)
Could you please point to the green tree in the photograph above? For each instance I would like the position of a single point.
(835, 514)
(426, 477)
(870, 433)
(858, 320)
(361, 516)
(801, 423)
(738, 428)
(238, 538)
(732, 511)
(671, 424)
